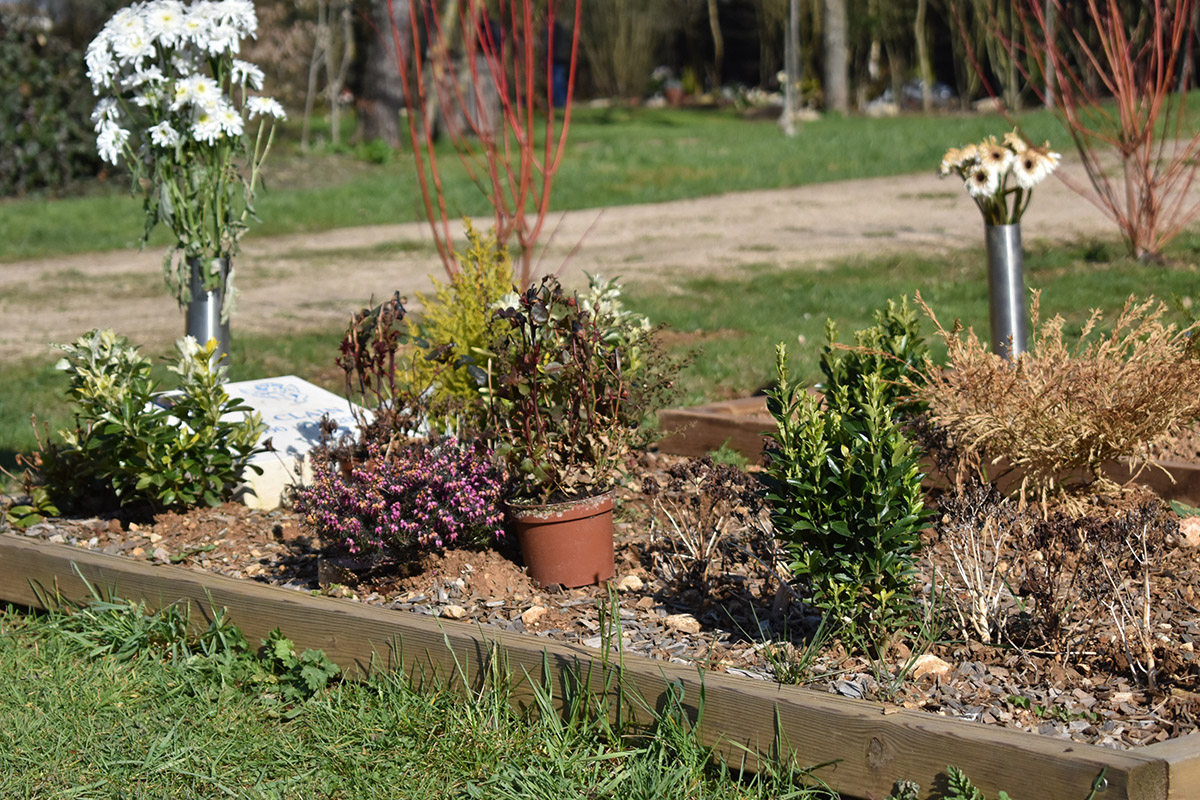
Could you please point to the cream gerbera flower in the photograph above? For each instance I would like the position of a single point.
(996, 158)
(1032, 166)
(950, 162)
(1015, 142)
(983, 183)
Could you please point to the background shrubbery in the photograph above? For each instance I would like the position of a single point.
(46, 139)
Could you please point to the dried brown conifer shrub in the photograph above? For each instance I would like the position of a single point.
(1062, 410)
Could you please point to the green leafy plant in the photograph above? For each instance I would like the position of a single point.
(456, 326)
(296, 676)
(133, 443)
(959, 787)
(566, 390)
(845, 495)
(36, 506)
(893, 349)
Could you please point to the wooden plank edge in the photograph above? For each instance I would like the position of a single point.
(869, 745)
(1182, 756)
(691, 433)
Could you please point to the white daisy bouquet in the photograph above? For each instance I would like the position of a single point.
(175, 104)
(1000, 176)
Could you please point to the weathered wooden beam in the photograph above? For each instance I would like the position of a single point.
(867, 745)
(1183, 765)
(738, 424)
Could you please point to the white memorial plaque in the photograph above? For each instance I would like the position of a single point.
(292, 409)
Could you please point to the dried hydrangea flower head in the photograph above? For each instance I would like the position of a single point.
(1000, 175)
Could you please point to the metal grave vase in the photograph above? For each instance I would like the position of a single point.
(1006, 290)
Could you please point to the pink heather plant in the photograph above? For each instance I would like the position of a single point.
(425, 494)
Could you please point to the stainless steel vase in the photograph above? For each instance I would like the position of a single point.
(1006, 290)
(204, 310)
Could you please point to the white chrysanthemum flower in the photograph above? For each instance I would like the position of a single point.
(267, 106)
(183, 64)
(1034, 165)
(244, 72)
(198, 24)
(165, 21)
(133, 48)
(151, 74)
(125, 20)
(229, 119)
(110, 141)
(995, 157)
(105, 111)
(240, 14)
(983, 183)
(207, 126)
(223, 39)
(163, 135)
(101, 67)
(198, 90)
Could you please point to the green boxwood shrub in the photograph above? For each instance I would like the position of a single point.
(845, 487)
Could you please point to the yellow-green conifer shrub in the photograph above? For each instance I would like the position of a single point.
(455, 324)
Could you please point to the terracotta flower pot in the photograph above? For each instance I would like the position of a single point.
(568, 543)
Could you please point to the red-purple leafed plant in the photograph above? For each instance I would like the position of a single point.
(512, 155)
(1118, 89)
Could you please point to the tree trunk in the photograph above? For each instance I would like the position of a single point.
(382, 97)
(791, 57)
(837, 70)
(714, 22)
(1048, 66)
(336, 73)
(320, 41)
(924, 68)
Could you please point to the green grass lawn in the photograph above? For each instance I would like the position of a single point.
(117, 704)
(614, 157)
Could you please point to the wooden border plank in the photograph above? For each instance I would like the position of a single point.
(1183, 765)
(871, 746)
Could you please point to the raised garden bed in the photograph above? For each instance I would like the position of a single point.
(868, 745)
(740, 424)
